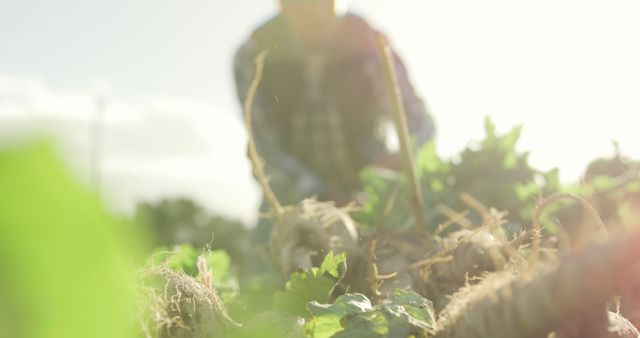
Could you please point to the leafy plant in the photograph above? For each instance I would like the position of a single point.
(492, 171)
(185, 258)
(183, 221)
(316, 284)
(406, 314)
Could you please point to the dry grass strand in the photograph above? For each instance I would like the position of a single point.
(254, 157)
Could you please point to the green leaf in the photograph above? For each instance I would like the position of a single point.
(371, 325)
(410, 298)
(219, 264)
(182, 258)
(410, 308)
(316, 284)
(604, 183)
(325, 326)
(377, 188)
(224, 280)
(64, 261)
(348, 304)
(510, 161)
(334, 265)
(185, 257)
(634, 186)
(273, 324)
(508, 142)
(489, 128)
(428, 160)
(327, 316)
(405, 314)
(437, 186)
(552, 181)
(526, 191)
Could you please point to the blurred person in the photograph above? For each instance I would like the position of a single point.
(321, 112)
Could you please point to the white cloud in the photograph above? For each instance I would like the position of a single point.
(154, 148)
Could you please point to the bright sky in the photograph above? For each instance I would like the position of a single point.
(566, 69)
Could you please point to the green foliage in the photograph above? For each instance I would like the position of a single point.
(406, 314)
(316, 284)
(611, 185)
(182, 221)
(64, 272)
(348, 304)
(379, 190)
(326, 321)
(182, 258)
(273, 324)
(185, 257)
(492, 171)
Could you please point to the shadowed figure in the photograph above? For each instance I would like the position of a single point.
(321, 113)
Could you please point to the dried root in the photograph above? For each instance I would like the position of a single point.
(176, 305)
(432, 266)
(511, 305)
(620, 327)
(308, 231)
(393, 258)
(473, 252)
(597, 324)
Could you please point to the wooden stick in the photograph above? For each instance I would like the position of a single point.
(400, 121)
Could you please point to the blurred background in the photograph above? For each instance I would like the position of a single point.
(140, 95)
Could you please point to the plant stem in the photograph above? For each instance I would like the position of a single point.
(254, 157)
(400, 121)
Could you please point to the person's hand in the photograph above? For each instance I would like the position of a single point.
(390, 161)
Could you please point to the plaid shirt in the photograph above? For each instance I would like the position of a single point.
(319, 144)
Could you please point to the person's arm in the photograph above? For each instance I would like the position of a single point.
(290, 179)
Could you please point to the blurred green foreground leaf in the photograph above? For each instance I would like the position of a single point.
(62, 271)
